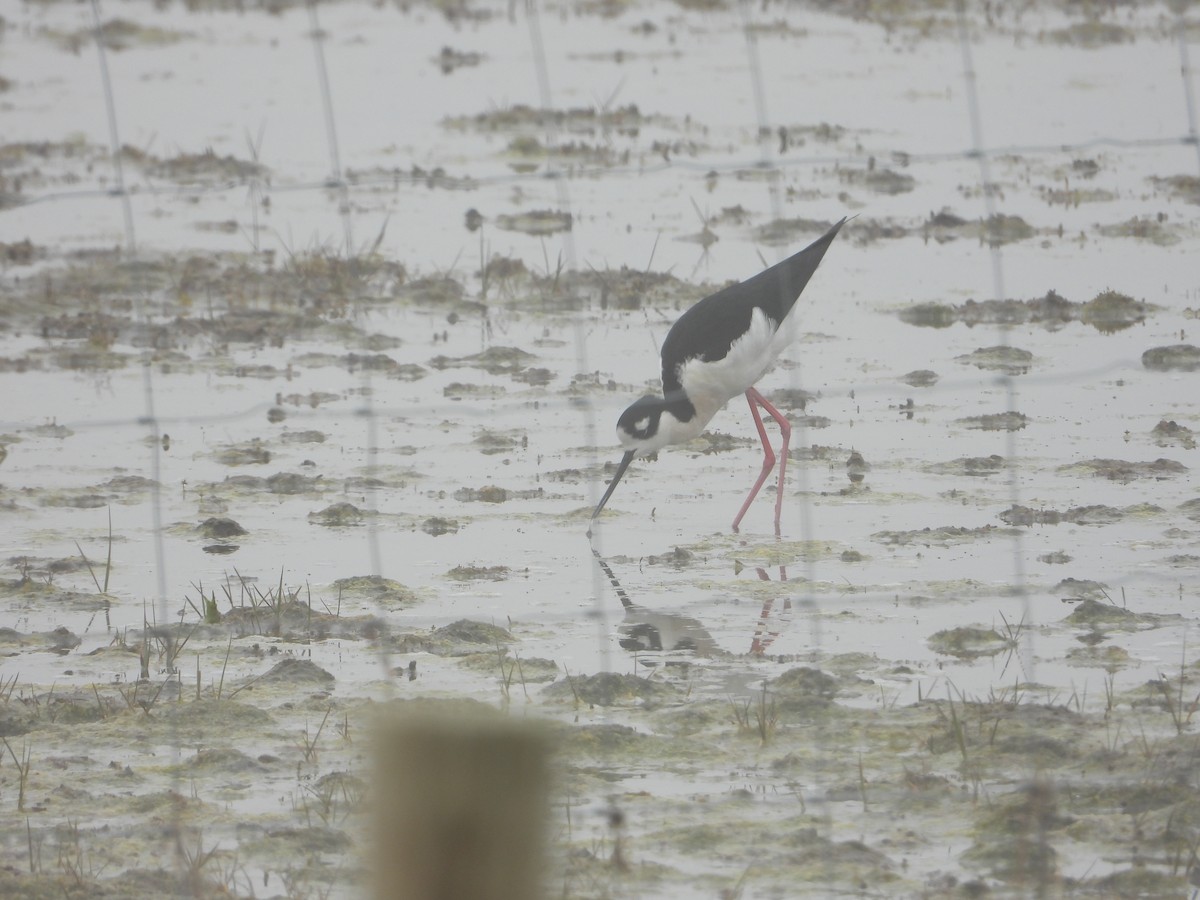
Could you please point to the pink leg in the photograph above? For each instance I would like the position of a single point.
(756, 400)
(768, 458)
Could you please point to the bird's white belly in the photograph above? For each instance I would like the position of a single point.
(710, 385)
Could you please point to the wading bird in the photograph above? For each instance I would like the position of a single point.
(718, 349)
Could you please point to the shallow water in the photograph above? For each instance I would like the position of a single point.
(267, 399)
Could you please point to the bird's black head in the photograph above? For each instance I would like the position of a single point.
(639, 423)
(648, 425)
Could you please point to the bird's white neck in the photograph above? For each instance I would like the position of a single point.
(672, 431)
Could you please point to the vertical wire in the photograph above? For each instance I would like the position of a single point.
(335, 162)
(542, 70)
(806, 599)
(114, 140)
(1026, 651)
(585, 405)
(367, 409)
(149, 418)
(1189, 99)
(767, 158)
(1185, 72)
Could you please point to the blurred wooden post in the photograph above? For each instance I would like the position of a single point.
(459, 807)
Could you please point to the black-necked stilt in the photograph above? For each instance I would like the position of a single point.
(718, 349)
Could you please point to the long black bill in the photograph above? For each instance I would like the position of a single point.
(612, 485)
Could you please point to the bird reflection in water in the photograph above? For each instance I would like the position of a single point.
(644, 630)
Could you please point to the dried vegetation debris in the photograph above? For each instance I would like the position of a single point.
(942, 536)
(1005, 421)
(1094, 514)
(1154, 230)
(970, 642)
(679, 722)
(1169, 432)
(1001, 358)
(1174, 358)
(1125, 470)
(789, 231)
(117, 34)
(84, 311)
(1095, 611)
(625, 120)
(1182, 187)
(1107, 312)
(972, 466)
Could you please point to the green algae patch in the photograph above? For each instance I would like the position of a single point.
(942, 536)
(803, 691)
(970, 642)
(1104, 616)
(1008, 360)
(385, 593)
(338, 515)
(1005, 421)
(462, 638)
(478, 573)
(1125, 470)
(611, 689)
(1174, 358)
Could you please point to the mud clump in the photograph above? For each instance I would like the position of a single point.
(789, 231)
(435, 526)
(944, 536)
(971, 466)
(220, 528)
(970, 642)
(804, 689)
(1107, 312)
(1098, 514)
(488, 494)
(1151, 230)
(1005, 421)
(1001, 229)
(536, 222)
(679, 558)
(465, 637)
(1191, 509)
(920, 378)
(1167, 433)
(493, 360)
(1176, 358)
(338, 515)
(1009, 360)
(384, 593)
(478, 573)
(881, 181)
(61, 641)
(1124, 470)
(296, 671)
(1104, 616)
(1185, 187)
(610, 689)
(1080, 589)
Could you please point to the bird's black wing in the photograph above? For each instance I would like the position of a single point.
(707, 329)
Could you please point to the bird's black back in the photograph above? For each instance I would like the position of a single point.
(706, 330)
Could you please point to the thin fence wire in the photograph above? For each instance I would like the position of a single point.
(989, 190)
(586, 408)
(1185, 73)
